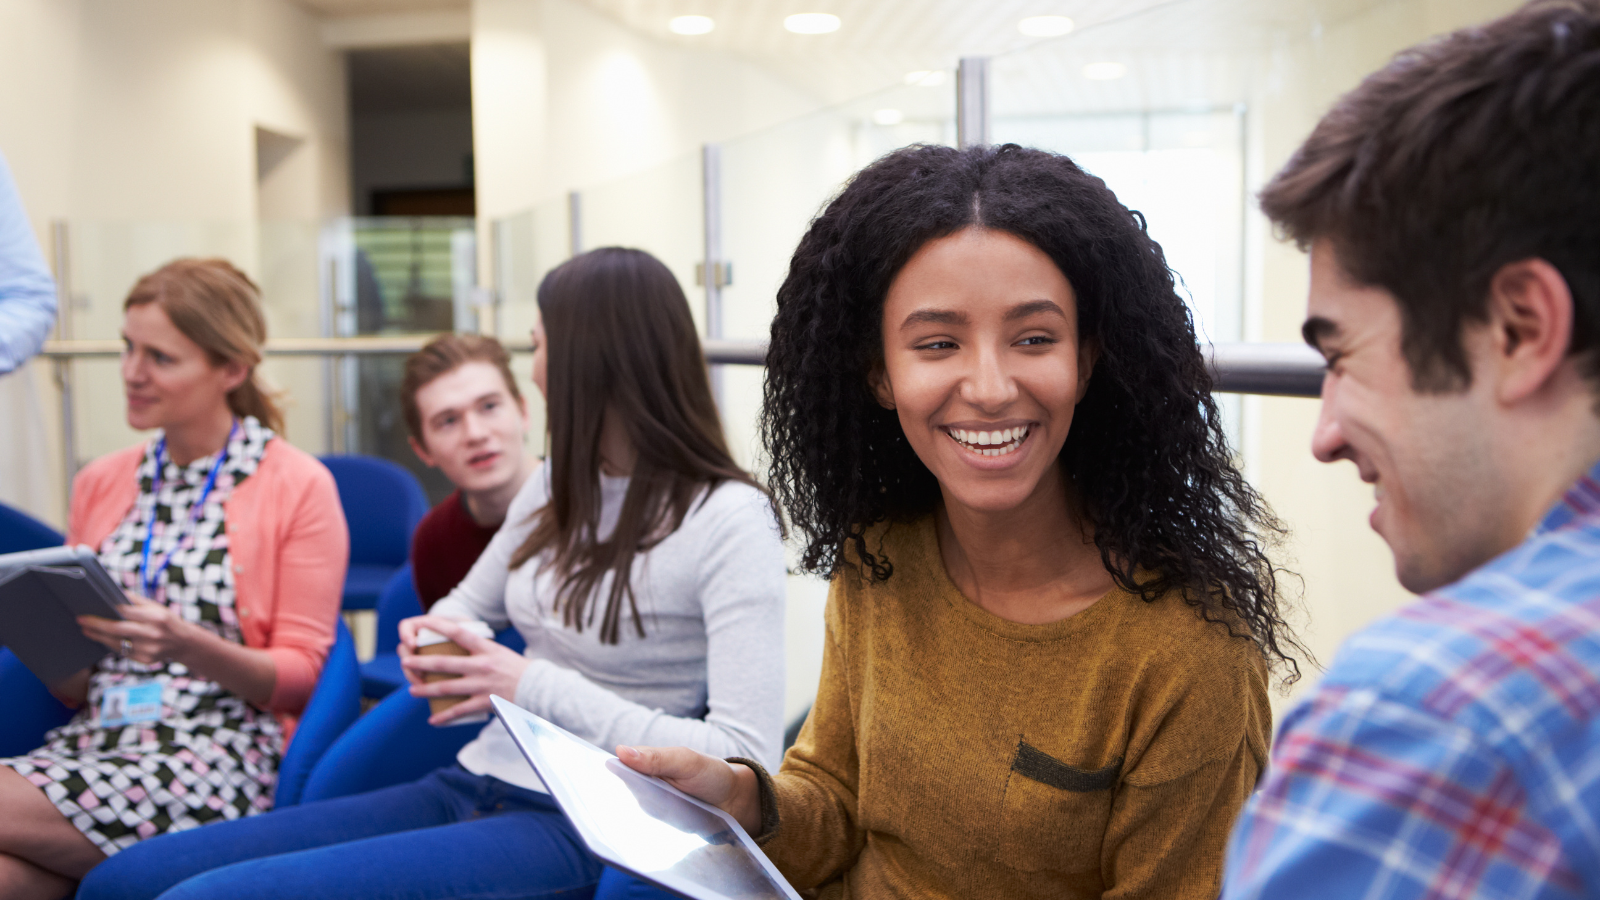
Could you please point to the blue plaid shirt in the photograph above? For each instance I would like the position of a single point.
(1453, 749)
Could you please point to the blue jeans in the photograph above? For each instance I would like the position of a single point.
(451, 834)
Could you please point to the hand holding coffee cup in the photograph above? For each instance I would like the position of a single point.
(432, 643)
(456, 664)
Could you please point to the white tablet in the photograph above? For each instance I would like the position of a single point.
(641, 824)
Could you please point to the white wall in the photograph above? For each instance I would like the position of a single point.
(565, 98)
(136, 121)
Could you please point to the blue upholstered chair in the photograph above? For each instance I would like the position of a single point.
(392, 744)
(383, 504)
(333, 706)
(20, 531)
(382, 674)
(30, 710)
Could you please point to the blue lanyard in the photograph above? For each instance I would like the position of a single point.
(147, 576)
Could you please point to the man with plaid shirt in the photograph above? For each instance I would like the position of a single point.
(1451, 207)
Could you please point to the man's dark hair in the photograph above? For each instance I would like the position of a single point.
(1464, 154)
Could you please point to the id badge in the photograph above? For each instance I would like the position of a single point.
(131, 704)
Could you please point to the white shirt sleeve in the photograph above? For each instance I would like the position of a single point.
(742, 590)
(27, 292)
(482, 594)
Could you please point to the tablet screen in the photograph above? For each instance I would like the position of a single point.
(637, 822)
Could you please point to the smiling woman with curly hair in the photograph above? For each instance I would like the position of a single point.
(1051, 620)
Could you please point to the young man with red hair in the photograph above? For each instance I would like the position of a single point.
(466, 416)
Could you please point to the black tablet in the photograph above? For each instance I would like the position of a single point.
(640, 824)
(42, 592)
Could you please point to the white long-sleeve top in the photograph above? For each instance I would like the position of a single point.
(708, 674)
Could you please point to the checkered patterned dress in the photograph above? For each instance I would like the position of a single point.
(212, 756)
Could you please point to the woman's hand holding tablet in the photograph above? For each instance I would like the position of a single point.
(730, 787)
(647, 826)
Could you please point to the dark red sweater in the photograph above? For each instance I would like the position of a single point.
(443, 548)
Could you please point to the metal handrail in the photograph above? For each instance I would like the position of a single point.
(1286, 370)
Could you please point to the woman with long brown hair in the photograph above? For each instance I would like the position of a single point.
(232, 547)
(644, 569)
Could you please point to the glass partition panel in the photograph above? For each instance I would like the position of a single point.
(291, 296)
(393, 275)
(107, 257)
(526, 246)
(660, 210)
(775, 181)
(1154, 103)
(402, 274)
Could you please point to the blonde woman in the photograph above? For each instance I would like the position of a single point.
(232, 547)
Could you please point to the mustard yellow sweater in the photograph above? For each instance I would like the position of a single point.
(952, 753)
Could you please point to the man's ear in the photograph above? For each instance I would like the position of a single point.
(882, 390)
(421, 452)
(1530, 326)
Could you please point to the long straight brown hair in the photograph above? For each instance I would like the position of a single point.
(619, 335)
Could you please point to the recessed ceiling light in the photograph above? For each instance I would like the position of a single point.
(925, 78)
(1045, 26)
(691, 25)
(1104, 71)
(812, 23)
(888, 117)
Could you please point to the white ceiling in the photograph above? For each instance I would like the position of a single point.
(882, 40)
(339, 9)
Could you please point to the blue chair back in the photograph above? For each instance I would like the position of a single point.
(30, 709)
(383, 504)
(334, 704)
(392, 744)
(20, 531)
(397, 602)
(382, 673)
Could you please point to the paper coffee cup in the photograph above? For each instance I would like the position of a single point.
(432, 643)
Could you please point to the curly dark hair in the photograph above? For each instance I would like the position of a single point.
(1146, 451)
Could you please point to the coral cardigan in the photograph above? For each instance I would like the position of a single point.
(290, 548)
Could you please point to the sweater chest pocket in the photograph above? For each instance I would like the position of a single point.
(1055, 814)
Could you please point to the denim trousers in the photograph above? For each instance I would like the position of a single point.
(451, 834)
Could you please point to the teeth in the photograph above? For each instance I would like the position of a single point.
(991, 443)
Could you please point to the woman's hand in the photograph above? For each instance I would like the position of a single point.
(150, 633)
(730, 787)
(492, 668)
(409, 629)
